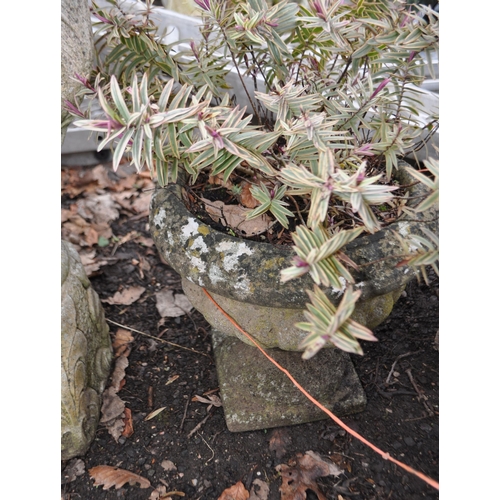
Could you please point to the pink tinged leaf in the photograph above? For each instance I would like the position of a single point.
(380, 87)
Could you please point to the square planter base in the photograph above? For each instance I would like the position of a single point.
(256, 395)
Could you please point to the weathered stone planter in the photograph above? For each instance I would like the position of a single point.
(244, 278)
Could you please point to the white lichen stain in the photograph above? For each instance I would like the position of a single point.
(340, 291)
(199, 243)
(232, 251)
(242, 286)
(159, 218)
(215, 274)
(190, 229)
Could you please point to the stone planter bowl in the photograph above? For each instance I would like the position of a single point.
(244, 278)
(239, 272)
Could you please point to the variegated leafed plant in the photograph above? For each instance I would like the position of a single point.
(325, 102)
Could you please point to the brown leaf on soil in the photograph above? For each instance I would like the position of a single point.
(212, 400)
(91, 263)
(128, 422)
(109, 476)
(301, 476)
(112, 407)
(234, 217)
(235, 492)
(147, 242)
(82, 233)
(170, 305)
(98, 208)
(121, 364)
(259, 491)
(246, 197)
(128, 428)
(126, 296)
(168, 465)
(280, 439)
(141, 203)
(121, 343)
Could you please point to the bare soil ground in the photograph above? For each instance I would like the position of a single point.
(170, 363)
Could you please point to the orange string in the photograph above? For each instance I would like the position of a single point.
(384, 455)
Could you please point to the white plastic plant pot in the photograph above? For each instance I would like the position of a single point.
(173, 27)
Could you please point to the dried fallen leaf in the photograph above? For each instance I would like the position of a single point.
(259, 490)
(280, 439)
(235, 492)
(218, 180)
(246, 197)
(128, 423)
(154, 413)
(100, 208)
(121, 343)
(82, 233)
(147, 242)
(211, 401)
(171, 305)
(141, 204)
(109, 476)
(126, 297)
(234, 216)
(173, 378)
(158, 493)
(113, 407)
(168, 465)
(296, 480)
(121, 364)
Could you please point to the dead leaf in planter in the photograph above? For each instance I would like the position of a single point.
(296, 480)
(259, 491)
(234, 217)
(246, 197)
(170, 305)
(278, 442)
(109, 476)
(126, 297)
(235, 492)
(218, 180)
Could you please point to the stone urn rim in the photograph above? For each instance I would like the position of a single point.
(250, 270)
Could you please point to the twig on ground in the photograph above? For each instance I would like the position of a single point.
(198, 427)
(185, 413)
(421, 396)
(395, 362)
(213, 452)
(150, 397)
(389, 395)
(157, 338)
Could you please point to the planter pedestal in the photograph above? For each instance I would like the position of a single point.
(256, 395)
